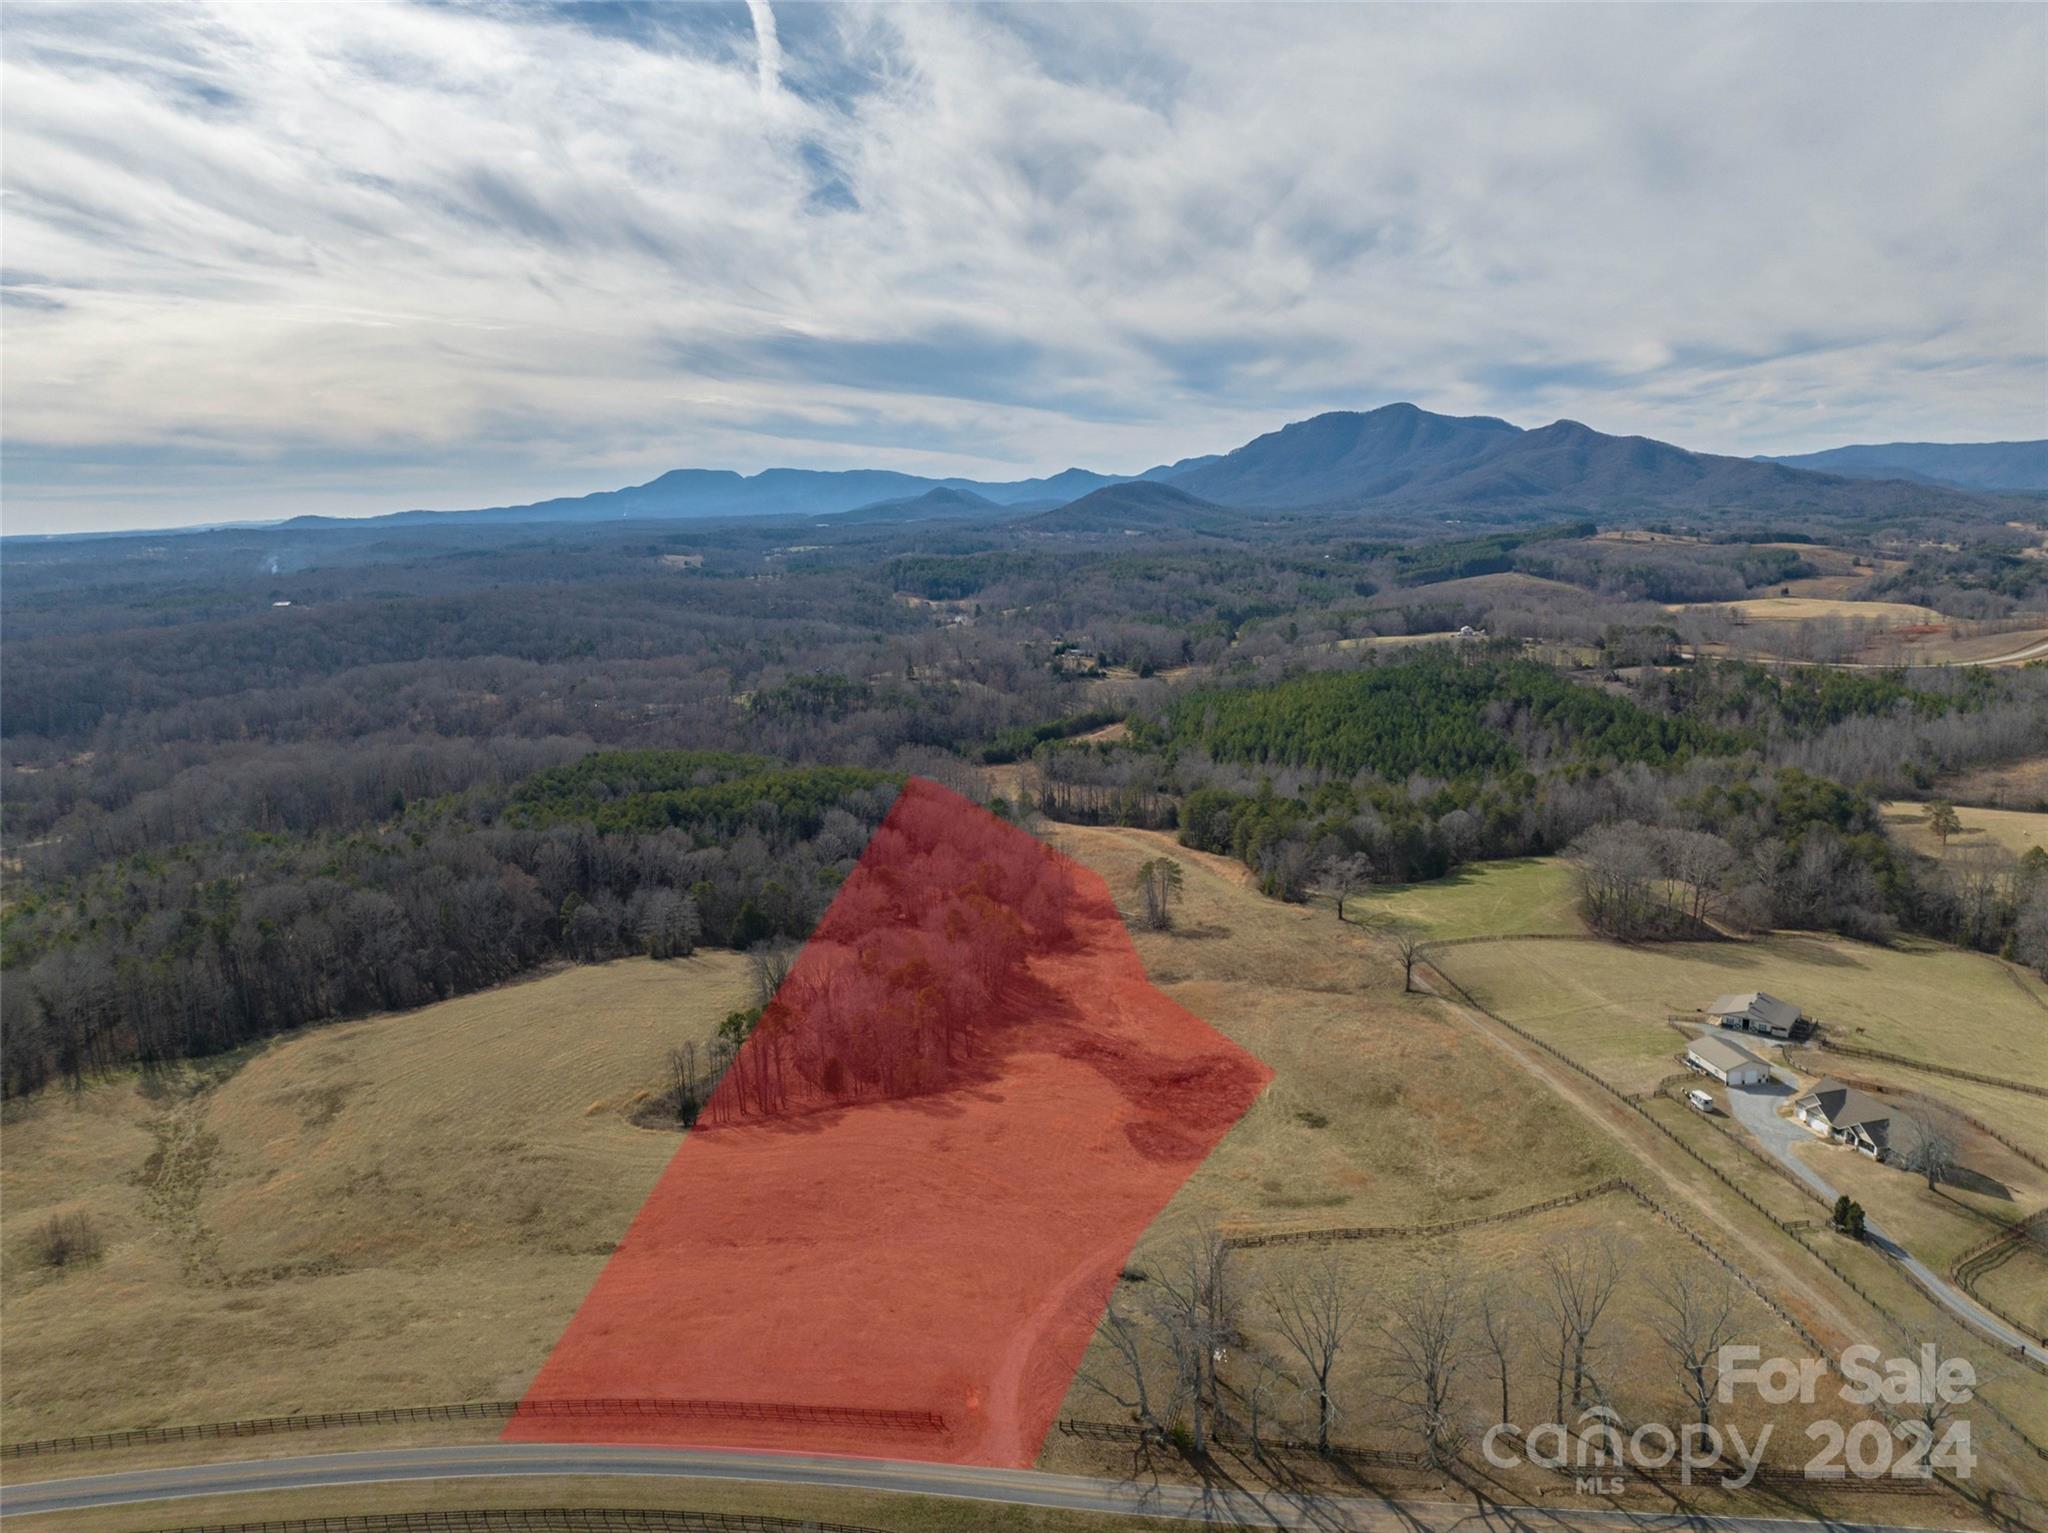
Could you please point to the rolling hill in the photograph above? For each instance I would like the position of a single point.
(2011, 466)
(1138, 506)
(945, 503)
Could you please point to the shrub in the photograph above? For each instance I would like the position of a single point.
(66, 1240)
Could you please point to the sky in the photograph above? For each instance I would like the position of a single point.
(267, 259)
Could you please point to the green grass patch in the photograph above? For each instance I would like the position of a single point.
(1521, 897)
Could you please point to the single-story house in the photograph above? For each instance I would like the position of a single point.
(1756, 1012)
(1726, 1061)
(1857, 1119)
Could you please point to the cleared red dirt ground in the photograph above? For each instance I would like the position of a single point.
(915, 1188)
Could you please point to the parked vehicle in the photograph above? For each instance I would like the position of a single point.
(1700, 1101)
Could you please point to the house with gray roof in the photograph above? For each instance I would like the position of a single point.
(1850, 1116)
(1756, 1012)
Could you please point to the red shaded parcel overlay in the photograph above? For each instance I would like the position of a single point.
(899, 1218)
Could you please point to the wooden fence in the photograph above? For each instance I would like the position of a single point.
(491, 1410)
(1342, 1453)
(1332, 1234)
(595, 1519)
(1857, 1051)
(1785, 1226)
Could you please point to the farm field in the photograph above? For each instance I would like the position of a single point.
(1605, 1004)
(1958, 644)
(2018, 1286)
(2015, 785)
(335, 1216)
(1803, 609)
(2013, 832)
(1524, 897)
(398, 1210)
(1381, 1109)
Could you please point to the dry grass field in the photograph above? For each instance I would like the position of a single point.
(2015, 785)
(398, 1210)
(2018, 1287)
(2007, 832)
(1605, 1004)
(1525, 897)
(1382, 1108)
(1805, 609)
(1721, 1142)
(410, 1207)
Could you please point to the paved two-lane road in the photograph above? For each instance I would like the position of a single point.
(949, 1480)
(1011, 1487)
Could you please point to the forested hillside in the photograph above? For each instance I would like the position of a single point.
(259, 778)
(1435, 714)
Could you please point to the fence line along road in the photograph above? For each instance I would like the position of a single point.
(598, 1519)
(494, 1410)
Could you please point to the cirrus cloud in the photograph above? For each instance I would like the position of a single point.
(264, 259)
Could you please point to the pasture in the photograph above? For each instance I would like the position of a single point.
(1524, 897)
(1806, 609)
(1605, 1004)
(398, 1210)
(2014, 785)
(2017, 1286)
(1382, 1108)
(2004, 832)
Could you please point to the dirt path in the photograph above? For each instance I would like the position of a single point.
(1162, 843)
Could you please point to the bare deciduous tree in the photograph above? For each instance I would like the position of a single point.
(1616, 869)
(1425, 1347)
(1932, 1146)
(1194, 1299)
(1311, 1312)
(1134, 1382)
(1344, 878)
(1408, 942)
(1693, 1314)
(1266, 1381)
(687, 1087)
(1498, 1314)
(768, 964)
(1582, 1276)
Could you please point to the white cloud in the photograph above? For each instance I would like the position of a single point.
(266, 258)
(768, 47)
